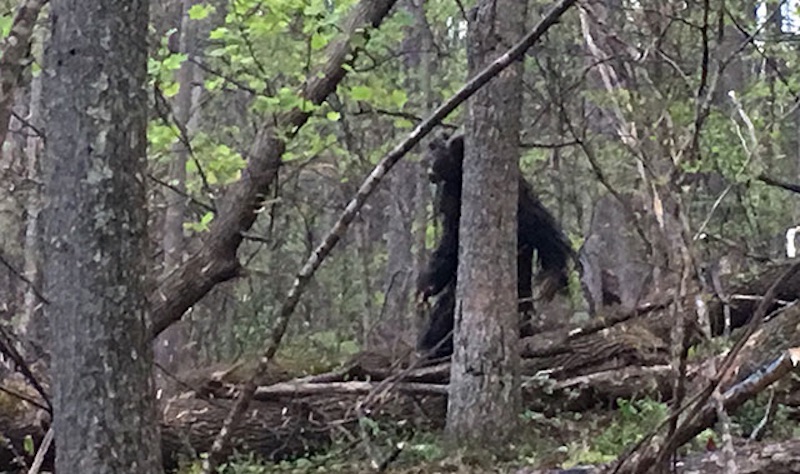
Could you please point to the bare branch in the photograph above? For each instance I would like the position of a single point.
(238, 209)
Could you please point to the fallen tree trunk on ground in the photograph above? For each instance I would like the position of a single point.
(566, 369)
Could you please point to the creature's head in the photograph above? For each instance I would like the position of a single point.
(445, 157)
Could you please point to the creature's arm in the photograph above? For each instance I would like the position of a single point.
(441, 268)
(539, 229)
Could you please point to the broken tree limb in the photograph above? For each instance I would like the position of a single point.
(732, 398)
(347, 388)
(650, 452)
(745, 297)
(364, 191)
(216, 260)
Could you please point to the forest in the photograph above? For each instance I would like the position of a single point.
(403, 236)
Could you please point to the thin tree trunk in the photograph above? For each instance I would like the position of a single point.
(172, 344)
(364, 251)
(31, 325)
(13, 58)
(96, 233)
(484, 400)
(423, 189)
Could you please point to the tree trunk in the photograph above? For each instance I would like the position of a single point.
(484, 389)
(171, 346)
(422, 216)
(32, 325)
(96, 237)
(394, 330)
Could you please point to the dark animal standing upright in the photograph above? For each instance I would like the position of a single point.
(537, 229)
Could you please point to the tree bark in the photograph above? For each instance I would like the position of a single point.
(96, 237)
(484, 383)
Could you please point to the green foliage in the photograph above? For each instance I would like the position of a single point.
(199, 11)
(531, 158)
(325, 462)
(28, 445)
(632, 420)
(161, 137)
(220, 163)
(635, 419)
(751, 414)
(6, 22)
(202, 224)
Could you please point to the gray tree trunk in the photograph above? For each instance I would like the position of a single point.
(95, 237)
(171, 347)
(32, 325)
(422, 216)
(409, 193)
(484, 389)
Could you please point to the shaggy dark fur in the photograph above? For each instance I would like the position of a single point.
(537, 229)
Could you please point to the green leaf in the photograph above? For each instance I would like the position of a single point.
(171, 90)
(216, 53)
(403, 123)
(361, 93)
(5, 25)
(257, 84)
(399, 98)
(160, 136)
(27, 445)
(318, 41)
(173, 61)
(201, 226)
(218, 33)
(214, 83)
(333, 116)
(207, 218)
(200, 12)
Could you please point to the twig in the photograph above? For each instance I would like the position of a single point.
(758, 430)
(751, 152)
(186, 195)
(7, 348)
(22, 277)
(38, 460)
(728, 453)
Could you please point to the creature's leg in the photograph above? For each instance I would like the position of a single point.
(442, 266)
(437, 338)
(525, 288)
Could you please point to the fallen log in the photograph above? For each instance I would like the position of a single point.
(270, 431)
(622, 356)
(743, 298)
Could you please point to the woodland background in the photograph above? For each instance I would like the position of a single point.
(674, 123)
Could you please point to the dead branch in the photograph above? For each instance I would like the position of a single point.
(216, 260)
(288, 389)
(701, 411)
(769, 181)
(731, 399)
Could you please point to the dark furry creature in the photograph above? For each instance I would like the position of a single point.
(537, 229)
